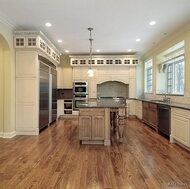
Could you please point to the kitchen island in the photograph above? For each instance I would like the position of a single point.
(95, 122)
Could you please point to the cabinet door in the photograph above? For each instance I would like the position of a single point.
(80, 74)
(92, 88)
(59, 78)
(97, 127)
(132, 88)
(60, 108)
(132, 107)
(85, 128)
(67, 79)
(180, 129)
(145, 114)
(153, 118)
(139, 109)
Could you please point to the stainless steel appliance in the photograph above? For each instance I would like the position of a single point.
(164, 119)
(44, 96)
(48, 95)
(78, 99)
(80, 87)
(53, 95)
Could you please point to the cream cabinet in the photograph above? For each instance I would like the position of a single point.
(64, 107)
(131, 107)
(64, 78)
(180, 126)
(80, 73)
(27, 92)
(92, 88)
(91, 125)
(139, 109)
(60, 107)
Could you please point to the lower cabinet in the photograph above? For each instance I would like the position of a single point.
(180, 126)
(139, 109)
(91, 124)
(64, 107)
(150, 114)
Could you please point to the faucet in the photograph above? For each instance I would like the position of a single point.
(98, 97)
(166, 99)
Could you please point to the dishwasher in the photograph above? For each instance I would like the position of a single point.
(164, 119)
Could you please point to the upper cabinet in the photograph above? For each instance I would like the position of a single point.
(36, 40)
(64, 78)
(105, 60)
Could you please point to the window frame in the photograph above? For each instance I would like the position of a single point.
(148, 75)
(172, 76)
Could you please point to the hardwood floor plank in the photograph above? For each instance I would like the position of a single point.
(56, 159)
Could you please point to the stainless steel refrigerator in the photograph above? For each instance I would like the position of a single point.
(47, 96)
(53, 96)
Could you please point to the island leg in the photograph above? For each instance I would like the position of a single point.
(121, 123)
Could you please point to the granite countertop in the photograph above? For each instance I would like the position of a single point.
(171, 104)
(103, 103)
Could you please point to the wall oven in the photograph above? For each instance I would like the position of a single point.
(80, 87)
(79, 99)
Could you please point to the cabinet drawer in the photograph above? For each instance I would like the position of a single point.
(91, 112)
(145, 104)
(181, 112)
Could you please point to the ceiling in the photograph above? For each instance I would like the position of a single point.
(116, 23)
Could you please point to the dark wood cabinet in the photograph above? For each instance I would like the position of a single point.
(150, 114)
(65, 93)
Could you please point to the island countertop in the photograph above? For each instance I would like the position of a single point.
(103, 103)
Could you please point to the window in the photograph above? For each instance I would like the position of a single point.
(148, 76)
(175, 75)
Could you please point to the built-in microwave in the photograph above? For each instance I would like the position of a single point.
(80, 87)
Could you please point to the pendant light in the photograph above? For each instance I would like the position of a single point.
(90, 71)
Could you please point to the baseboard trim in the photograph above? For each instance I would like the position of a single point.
(9, 135)
(27, 132)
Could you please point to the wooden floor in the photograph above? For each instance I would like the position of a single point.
(55, 159)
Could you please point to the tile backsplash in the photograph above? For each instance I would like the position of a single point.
(113, 89)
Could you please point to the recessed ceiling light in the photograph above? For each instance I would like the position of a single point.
(138, 40)
(129, 50)
(98, 50)
(59, 41)
(48, 24)
(152, 23)
(66, 51)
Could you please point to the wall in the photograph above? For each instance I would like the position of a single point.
(7, 84)
(65, 61)
(183, 34)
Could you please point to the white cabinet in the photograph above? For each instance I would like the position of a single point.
(139, 109)
(60, 107)
(36, 40)
(27, 92)
(59, 78)
(132, 88)
(131, 107)
(180, 126)
(92, 88)
(105, 60)
(64, 78)
(64, 107)
(67, 78)
(80, 73)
